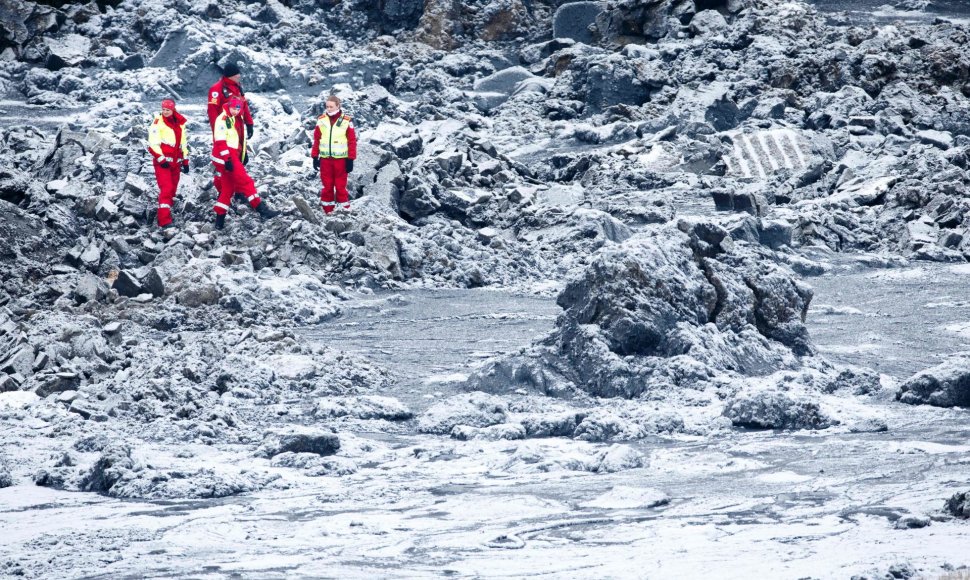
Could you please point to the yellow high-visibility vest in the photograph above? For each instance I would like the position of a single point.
(159, 133)
(224, 129)
(333, 138)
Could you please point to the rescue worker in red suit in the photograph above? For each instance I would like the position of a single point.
(334, 150)
(230, 170)
(219, 94)
(167, 142)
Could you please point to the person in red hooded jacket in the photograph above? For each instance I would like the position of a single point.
(334, 150)
(219, 94)
(230, 171)
(167, 142)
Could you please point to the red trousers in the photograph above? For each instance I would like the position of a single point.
(333, 175)
(235, 181)
(168, 184)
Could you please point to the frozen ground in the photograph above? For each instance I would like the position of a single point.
(897, 321)
(837, 139)
(747, 504)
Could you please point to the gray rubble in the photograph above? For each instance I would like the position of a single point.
(671, 170)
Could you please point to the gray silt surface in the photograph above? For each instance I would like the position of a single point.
(424, 333)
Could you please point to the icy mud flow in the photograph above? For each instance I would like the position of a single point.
(495, 508)
(659, 288)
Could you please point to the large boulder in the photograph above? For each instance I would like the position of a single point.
(945, 385)
(775, 409)
(575, 21)
(299, 440)
(678, 305)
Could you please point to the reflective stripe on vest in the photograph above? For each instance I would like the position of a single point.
(333, 138)
(159, 133)
(225, 130)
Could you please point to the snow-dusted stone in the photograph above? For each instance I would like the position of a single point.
(201, 483)
(775, 233)
(493, 90)
(56, 185)
(958, 505)
(66, 50)
(105, 210)
(90, 257)
(177, 49)
(504, 431)
(128, 284)
(649, 21)
(136, 185)
(401, 14)
(117, 474)
(368, 407)
(151, 281)
(314, 465)
(618, 458)
(18, 360)
(707, 22)
(749, 201)
(945, 385)
(8, 383)
(919, 234)
(503, 81)
(859, 191)
(383, 250)
(940, 139)
(114, 464)
(775, 409)
(90, 288)
(6, 479)
(304, 208)
(574, 19)
(711, 105)
(618, 83)
(440, 25)
(911, 522)
(625, 497)
(298, 440)
(689, 304)
(472, 409)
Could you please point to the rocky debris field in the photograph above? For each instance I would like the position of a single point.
(673, 172)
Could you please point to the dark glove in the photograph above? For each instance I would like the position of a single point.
(316, 163)
(228, 164)
(185, 166)
(249, 131)
(350, 165)
(163, 164)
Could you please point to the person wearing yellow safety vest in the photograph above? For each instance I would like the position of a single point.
(167, 142)
(219, 94)
(230, 171)
(334, 150)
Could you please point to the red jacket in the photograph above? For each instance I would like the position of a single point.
(219, 94)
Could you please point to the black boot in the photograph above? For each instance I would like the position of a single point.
(265, 212)
(220, 221)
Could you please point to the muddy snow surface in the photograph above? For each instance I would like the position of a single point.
(639, 289)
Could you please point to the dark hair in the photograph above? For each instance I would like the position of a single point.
(335, 99)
